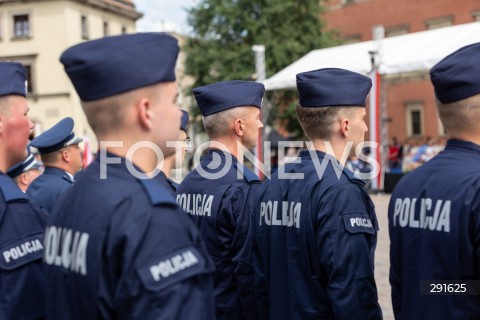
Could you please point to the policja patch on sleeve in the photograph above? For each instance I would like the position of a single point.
(21, 252)
(172, 268)
(358, 222)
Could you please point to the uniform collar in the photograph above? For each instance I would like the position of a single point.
(59, 172)
(55, 171)
(216, 158)
(173, 185)
(320, 155)
(155, 190)
(247, 173)
(462, 144)
(306, 154)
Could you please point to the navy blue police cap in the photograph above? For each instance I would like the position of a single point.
(220, 96)
(184, 121)
(456, 77)
(112, 65)
(28, 164)
(57, 137)
(13, 79)
(331, 87)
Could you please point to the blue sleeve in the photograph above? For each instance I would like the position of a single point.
(241, 248)
(22, 276)
(346, 240)
(159, 266)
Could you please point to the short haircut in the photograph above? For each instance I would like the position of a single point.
(460, 116)
(50, 158)
(317, 122)
(217, 124)
(108, 114)
(4, 107)
(105, 114)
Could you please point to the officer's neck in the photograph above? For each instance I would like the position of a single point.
(227, 144)
(474, 138)
(333, 147)
(144, 158)
(60, 164)
(122, 143)
(3, 167)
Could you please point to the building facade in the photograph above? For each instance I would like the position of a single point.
(409, 98)
(36, 32)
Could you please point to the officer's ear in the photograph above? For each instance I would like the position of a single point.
(65, 155)
(344, 126)
(24, 180)
(144, 113)
(239, 127)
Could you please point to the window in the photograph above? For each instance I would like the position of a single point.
(84, 26)
(476, 15)
(396, 30)
(21, 26)
(105, 28)
(439, 22)
(29, 78)
(414, 118)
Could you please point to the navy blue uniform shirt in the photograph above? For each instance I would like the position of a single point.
(434, 223)
(47, 187)
(315, 239)
(22, 225)
(121, 248)
(221, 209)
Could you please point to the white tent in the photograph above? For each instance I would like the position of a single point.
(406, 53)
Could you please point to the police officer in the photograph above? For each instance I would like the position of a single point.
(62, 157)
(434, 211)
(175, 161)
(315, 225)
(117, 244)
(22, 221)
(23, 173)
(218, 199)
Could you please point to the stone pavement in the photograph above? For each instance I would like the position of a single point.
(382, 260)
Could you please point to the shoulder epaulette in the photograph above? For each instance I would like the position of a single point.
(156, 192)
(249, 176)
(10, 190)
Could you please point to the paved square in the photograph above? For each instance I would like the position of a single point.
(382, 260)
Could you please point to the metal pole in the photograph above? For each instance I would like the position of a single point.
(260, 70)
(375, 105)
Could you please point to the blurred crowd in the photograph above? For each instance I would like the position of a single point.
(414, 152)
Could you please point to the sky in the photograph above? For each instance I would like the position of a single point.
(164, 15)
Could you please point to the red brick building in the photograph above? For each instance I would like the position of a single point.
(409, 98)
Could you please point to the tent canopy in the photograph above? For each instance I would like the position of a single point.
(406, 53)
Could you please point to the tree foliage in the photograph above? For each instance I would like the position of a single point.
(224, 31)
